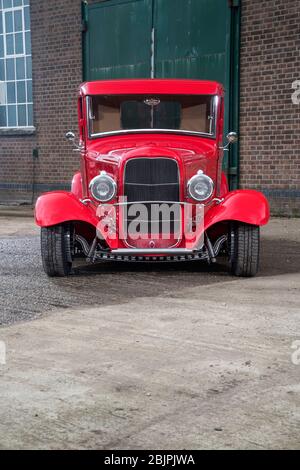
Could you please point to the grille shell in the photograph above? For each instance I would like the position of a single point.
(154, 179)
(151, 179)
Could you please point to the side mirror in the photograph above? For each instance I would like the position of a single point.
(70, 136)
(232, 137)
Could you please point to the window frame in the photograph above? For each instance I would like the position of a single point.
(212, 135)
(22, 86)
(23, 31)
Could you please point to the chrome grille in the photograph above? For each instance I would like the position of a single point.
(156, 180)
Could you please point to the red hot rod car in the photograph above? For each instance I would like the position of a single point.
(151, 186)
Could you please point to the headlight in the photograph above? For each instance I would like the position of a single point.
(103, 187)
(200, 187)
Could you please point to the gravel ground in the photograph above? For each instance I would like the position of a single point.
(135, 356)
(26, 293)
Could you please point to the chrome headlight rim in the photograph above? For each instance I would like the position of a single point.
(104, 176)
(200, 175)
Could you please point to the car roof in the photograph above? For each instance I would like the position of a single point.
(151, 86)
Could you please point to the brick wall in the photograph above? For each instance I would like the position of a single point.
(57, 72)
(270, 123)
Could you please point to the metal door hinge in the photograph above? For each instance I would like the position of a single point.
(84, 26)
(233, 171)
(234, 3)
(152, 60)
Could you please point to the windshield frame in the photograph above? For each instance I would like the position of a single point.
(211, 135)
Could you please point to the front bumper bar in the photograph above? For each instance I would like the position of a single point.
(152, 251)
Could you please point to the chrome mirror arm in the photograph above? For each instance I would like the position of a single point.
(225, 148)
(78, 148)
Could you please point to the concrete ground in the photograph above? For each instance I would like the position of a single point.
(124, 356)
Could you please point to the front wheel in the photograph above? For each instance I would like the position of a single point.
(56, 249)
(244, 248)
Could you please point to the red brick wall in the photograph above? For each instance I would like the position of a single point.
(57, 72)
(270, 122)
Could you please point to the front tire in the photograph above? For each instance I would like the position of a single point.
(56, 250)
(244, 248)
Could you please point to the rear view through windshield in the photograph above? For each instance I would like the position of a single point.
(121, 113)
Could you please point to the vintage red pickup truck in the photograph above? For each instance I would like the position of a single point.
(151, 186)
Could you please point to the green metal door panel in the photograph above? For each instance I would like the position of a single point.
(117, 43)
(204, 68)
(191, 38)
(234, 93)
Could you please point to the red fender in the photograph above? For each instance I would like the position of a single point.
(248, 206)
(224, 185)
(61, 206)
(76, 187)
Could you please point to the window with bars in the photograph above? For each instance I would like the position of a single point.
(16, 108)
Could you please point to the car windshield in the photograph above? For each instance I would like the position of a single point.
(140, 113)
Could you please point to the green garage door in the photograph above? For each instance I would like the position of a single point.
(167, 39)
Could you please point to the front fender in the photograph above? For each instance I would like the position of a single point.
(248, 206)
(76, 187)
(61, 206)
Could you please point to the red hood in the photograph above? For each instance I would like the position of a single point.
(192, 153)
